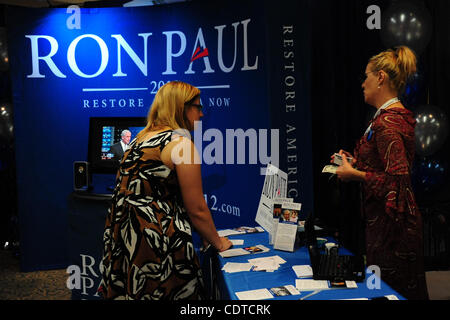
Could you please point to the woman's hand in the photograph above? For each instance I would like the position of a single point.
(225, 244)
(346, 172)
(347, 154)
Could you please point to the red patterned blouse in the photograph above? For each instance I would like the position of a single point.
(393, 221)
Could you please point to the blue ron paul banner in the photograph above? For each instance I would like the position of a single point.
(112, 66)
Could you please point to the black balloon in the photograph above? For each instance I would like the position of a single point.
(428, 174)
(406, 23)
(6, 122)
(4, 59)
(431, 129)
(413, 89)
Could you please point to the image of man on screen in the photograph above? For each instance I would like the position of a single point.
(119, 148)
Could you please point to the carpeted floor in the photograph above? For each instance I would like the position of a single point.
(51, 285)
(39, 285)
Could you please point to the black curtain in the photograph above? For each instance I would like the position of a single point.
(8, 192)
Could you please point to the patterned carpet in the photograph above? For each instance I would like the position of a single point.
(39, 285)
(51, 285)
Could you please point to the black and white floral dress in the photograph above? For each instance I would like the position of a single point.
(148, 248)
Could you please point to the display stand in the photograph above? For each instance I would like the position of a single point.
(87, 214)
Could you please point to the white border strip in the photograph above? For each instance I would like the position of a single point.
(113, 89)
(223, 86)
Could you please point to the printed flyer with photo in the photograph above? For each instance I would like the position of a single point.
(277, 203)
(287, 227)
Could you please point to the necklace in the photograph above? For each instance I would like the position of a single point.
(388, 103)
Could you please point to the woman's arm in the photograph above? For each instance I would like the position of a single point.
(183, 157)
(390, 183)
(346, 172)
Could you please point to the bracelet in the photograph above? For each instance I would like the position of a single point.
(204, 249)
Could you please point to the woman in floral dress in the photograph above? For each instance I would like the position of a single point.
(157, 201)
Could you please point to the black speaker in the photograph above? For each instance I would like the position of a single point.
(81, 176)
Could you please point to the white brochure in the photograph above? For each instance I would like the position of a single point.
(275, 186)
(232, 267)
(287, 227)
(276, 213)
(268, 264)
(303, 271)
(311, 285)
(236, 252)
(259, 294)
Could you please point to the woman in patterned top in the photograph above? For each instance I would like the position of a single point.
(382, 162)
(158, 198)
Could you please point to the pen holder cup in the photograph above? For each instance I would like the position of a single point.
(331, 247)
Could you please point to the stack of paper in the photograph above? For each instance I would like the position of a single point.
(388, 297)
(243, 251)
(229, 232)
(232, 267)
(239, 230)
(259, 294)
(303, 271)
(268, 264)
(311, 285)
(233, 253)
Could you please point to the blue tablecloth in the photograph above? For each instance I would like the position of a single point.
(229, 283)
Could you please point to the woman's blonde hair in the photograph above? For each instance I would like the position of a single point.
(167, 109)
(399, 64)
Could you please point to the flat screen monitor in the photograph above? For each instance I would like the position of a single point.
(105, 132)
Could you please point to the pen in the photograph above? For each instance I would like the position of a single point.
(310, 295)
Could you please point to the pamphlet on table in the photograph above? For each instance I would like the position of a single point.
(239, 230)
(243, 251)
(277, 204)
(275, 186)
(267, 264)
(286, 229)
(262, 294)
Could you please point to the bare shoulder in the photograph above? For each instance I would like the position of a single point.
(180, 150)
